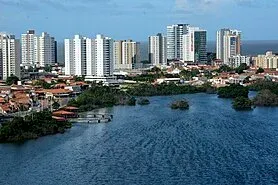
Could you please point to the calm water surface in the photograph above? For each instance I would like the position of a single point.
(208, 144)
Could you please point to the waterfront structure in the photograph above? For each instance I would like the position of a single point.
(126, 54)
(9, 56)
(174, 40)
(92, 57)
(228, 44)
(158, 50)
(236, 60)
(195, 46)
(267, 61)
(44, 50)
(75, 56)
(27, 48)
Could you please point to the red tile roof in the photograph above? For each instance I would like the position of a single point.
(62, 112)
(71, 108)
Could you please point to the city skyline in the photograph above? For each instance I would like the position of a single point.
(60, 20)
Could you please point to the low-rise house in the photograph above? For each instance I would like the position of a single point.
(236, 79)
(75, 89)
(5, 108)
(168, 80)
(57, 93)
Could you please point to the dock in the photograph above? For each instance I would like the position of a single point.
(94, 118)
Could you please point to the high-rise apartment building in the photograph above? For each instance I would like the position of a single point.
(91, 57)
(158, 50)
(126, 54)
(104, 56)
(27, 48)
(75, 56)
(118, 54)
(44, 50)
(228, 44)
(195, 46)
(174, 40)
(9, 56)
(236, 61)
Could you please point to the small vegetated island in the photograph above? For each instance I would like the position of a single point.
(181, 104)
(240, 95)
(267, 93)
(31, 127)
(143, 101)
(242, 103)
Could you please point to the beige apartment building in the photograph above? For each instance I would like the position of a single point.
(267, 61)
(126, 54)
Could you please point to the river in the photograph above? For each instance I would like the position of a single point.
(208, 144)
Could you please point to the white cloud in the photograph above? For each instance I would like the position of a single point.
(191, 6)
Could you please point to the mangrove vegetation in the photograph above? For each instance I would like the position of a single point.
(32, 126)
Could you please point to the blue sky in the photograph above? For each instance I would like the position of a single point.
(137, 19)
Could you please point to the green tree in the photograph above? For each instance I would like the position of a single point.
(43, 84)
(56, 105)
(260, 70)
(263, 85)
(233, 91)
(143, 101)
(242, 103)
(266, 98)
(79, 78)
(31, 127)
(241, 68)
(182, 104)
(48, 68)
(247, 79)
(12, 80)
(188, 75)
(224, 68)
(131, 101)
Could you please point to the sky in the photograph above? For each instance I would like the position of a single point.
(138, 19)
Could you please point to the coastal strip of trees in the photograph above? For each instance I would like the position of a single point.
(164, 89)
(32, 126)
(267, 94)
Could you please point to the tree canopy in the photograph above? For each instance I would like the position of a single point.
(260, 70)
(242, 103)
(12, 80)
(233, 91)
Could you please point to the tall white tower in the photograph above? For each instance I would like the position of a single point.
(27, 48)
(174, 40)
(104, 56)
(158, 50)
(9, 56)
(228, 44)
(44, 50)
(75, 56)
(195, 46)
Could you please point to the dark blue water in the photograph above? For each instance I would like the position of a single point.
(208, 144)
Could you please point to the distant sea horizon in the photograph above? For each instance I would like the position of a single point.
(249, 47)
